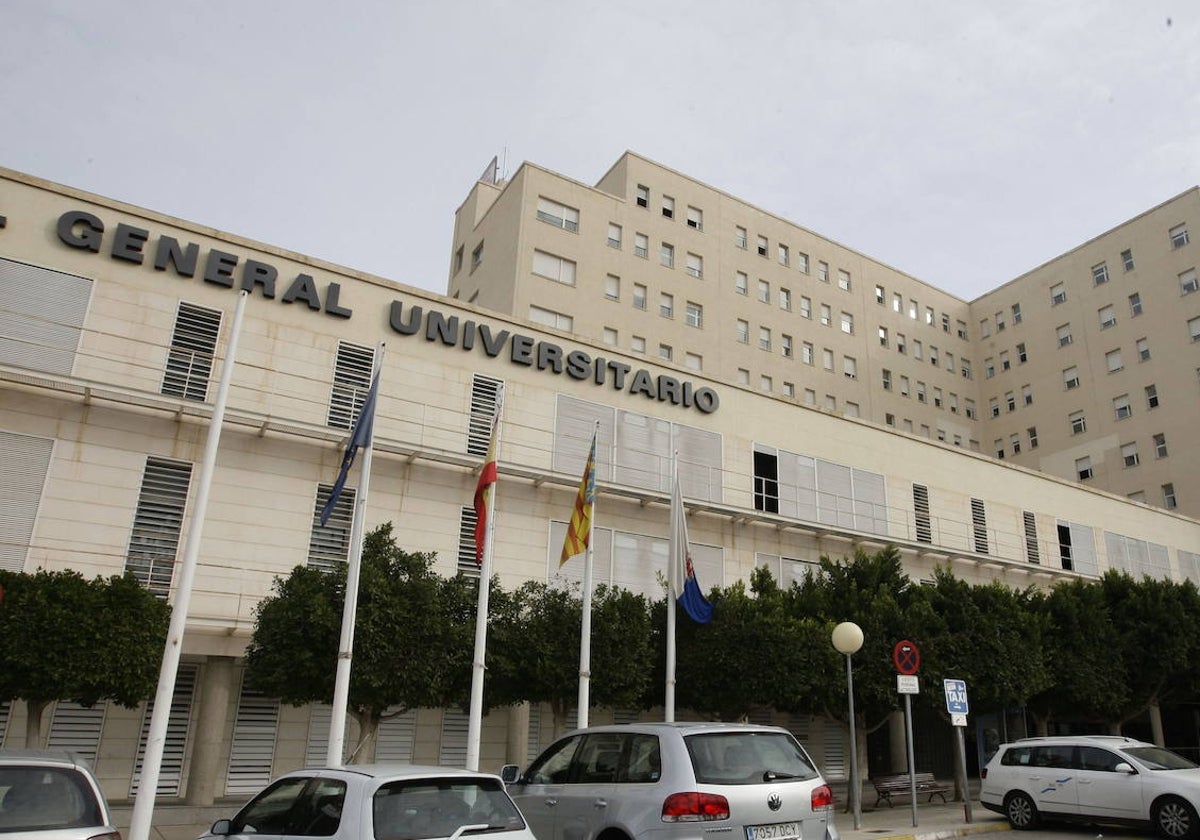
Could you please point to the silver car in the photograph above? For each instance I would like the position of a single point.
(381, 801)
(673, 781)
(47, 795)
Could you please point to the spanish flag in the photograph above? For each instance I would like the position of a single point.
(579, 532)
(483, 490)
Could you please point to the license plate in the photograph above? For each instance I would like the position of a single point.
(774, 831)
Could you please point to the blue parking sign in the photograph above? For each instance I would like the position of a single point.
(956, 696)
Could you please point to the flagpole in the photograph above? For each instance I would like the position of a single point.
(341, 680)
(585, 624)
(672, 587)
(143, 805)
(475, 715)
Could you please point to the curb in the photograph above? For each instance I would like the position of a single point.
(949, 833)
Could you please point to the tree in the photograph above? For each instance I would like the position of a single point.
(63, 637)
(413, 637)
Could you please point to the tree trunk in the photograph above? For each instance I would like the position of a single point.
(368, 731)
(33, 723)
(1156, 727)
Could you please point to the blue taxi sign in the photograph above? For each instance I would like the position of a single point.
(956, 696)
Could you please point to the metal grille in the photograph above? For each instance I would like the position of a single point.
(4, 709)
(453, 750)
(484, 390)
(394, 740)
(351, 381)
(921, 513)
(329, 544)
(76, 728)
(170, 774)
(190, 359)
(533, 746)
(466, 542)
(253, 749)
(26, 460)
(979, 526)
(835, 751)
(154, 543)
(1032, 554)
(42, 317)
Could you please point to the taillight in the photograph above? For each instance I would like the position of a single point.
(695, 807)
(822, 797)
(108, 835)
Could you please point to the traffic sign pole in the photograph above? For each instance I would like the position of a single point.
(957, 707)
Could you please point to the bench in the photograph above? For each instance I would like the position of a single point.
(899, 785)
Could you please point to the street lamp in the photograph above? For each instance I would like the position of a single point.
(848, 639)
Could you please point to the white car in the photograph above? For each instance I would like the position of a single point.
(47, 795)
(1095, 779)
(380, 801)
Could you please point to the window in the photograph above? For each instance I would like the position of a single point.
(883, 337)
(665, 352)
(823, 271)
(1143, 350)
(929, 315)
(639, 296)
(1078, 422)
(789, 389)
(190, 359)
(1022, 356)
(994, 407)
(1108, 317)
(1113, 360)
(850, 367)
(458, 259)
(1083, 468)
(694, 314)
(998, 447)
(1135, 305)
(827, 359)
(945, 323)
(953, 403)
(693, 361)
(1071, 377)
(920, 391)
(554, 268)
(762, 246)
(897, 302)
(643, 196)
(641, 245)
(666, 305)
(989, 367)
(1160, 446)
(637, 344)
(890, 419)
(966, 369)
(785, 345)
(694, 265)
(1127, 259)
(610, 337)
(1005, 364)
(843, 280)
(668, 207)
(847, 323)
(1151, 396)
(559, 215)
(743, 376)
(666, 255)
(1187, 282)
(157, 523)
(695, 218)
(765, 383)
(962, 330)
(1000, 322)
(918, 353)
(937, 397)
(880, 295)
(741, 283)
(477, 256)
(852, 409)
(1010, 401)
(764, 338)
(783, 254)
(1121, 407)
(933, 355)
(810, 396)
(826, 315)
(1129, 454)
(805, 307)
(1014, 441)
(913, 309)
(802, 262)
(743, 331)
(1027, 394)
(901, 343)
(614, 235)
(612, 287)
(764, 291)
(807, 354)
(1168, 490)
(887, 379)
(1179, 236)
(351, 381)
(1064, 335)
(1100, 273)
(785, 299)
(550, 318)
(1194, 328)
(985, 328)
(739, 237)
(1016, 314)
(830, 402)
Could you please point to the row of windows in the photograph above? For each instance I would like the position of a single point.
(1188, 283)
(914, 312)
(918, 352)
(923, 394)
(939, 433)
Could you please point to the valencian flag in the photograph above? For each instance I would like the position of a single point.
(579, 532)
(359, 437)
(483, 490)
(684, 586)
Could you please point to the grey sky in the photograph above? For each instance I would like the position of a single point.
(961, 142)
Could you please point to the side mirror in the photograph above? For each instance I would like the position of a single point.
(220, 827)
(1124, 767)
(509, 773)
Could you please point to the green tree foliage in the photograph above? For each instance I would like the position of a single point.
(63, 637)
(413, 637)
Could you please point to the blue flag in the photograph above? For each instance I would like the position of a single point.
(360, 436)
(686, 588)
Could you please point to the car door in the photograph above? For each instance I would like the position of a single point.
(584, 800)
(269, 814)
(538, 792)
(1105, 792)
(1051, 779)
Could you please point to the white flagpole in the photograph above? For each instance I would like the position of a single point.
(585, 624)
(673, 586)
(341, 680)
(143, 805)
(475, 715)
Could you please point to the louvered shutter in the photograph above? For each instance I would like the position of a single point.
(252, 753)
(574, 422)
(870, 501)
(484, 391)
(1032, 552)
(1083, 549)
(395, 737)
(643, 451)
(193, 346)
(170, 774)
(351, 381)
(157, 523)
(329, 544)
(42, 317)
(26, 460)
(700, 468)
(453, 749)
(834, 494)
(76, 728)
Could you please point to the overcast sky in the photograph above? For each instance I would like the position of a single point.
(961, 142)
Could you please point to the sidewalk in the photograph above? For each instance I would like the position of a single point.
(935, 821)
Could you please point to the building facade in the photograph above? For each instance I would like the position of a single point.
(116, 324)
(1087, 368)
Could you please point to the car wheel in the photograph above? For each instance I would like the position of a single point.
(1021, 812)
(1175, 819)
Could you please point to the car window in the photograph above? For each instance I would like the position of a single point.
(36, 797)
(642, 761)
(1095, 758)
(554, 765)
(422, 808)
(1016, 756)
(743, 758)
(269, 812)
(597, 759)
(318, 809)
(1053, 756)
(1160, 758)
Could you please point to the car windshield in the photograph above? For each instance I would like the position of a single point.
(1159, 758)
(748, 758)
(417, 809)
(36, 798)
